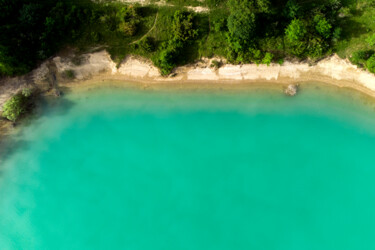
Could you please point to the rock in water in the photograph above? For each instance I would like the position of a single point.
(291, 90)
(57, 92)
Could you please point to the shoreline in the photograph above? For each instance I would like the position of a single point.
(97, 67)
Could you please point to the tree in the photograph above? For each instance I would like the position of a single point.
(128, 20)
(241, 22)
(181, 33)
(322, 26)
(182, 26)
(296, 30)
(263, 5)
(292, 10)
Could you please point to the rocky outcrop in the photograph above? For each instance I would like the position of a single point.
(291, 90)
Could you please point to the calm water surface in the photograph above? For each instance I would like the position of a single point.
(143, 169)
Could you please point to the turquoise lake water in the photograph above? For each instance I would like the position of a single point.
(122, 168)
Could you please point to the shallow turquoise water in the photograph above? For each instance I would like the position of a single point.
(131, 169)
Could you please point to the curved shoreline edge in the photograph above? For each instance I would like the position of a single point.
(99, 66)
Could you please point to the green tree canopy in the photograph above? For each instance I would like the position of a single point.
(292, 9)
(322, 26)
(296, 30)
(241, 21)
(182, 26)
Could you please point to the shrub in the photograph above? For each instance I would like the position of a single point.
(17, 105)
(267, 58)
(255, 55)
(69, 74)
(27, 92)
(147, 44)
(336, 34)
(317, 47)
(128, 20)
(371, 40)
(360, 57)
(166, 61)
(215, 64)
(182, 27)
(370, 64)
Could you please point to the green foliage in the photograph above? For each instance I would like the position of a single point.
(147, 44)
(360, 57)
(322, 26)
(182, 32)
(317, 47)
(166, 61)
(296, 30)
(215, 64)
(267, 58)
(243, 30)
(69, 74)
(182, 27)
(292, 9)
(370, 64)
(241, 23)
(336, 35)
(27, 92)
(17, 105)
(128, 20)
(371, 40)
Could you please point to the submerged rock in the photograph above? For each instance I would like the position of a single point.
(291, 90)
(57, 92)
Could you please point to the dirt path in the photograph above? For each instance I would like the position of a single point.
(148, 32)
(196, 9)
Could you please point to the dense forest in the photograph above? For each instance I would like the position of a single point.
(242, 31)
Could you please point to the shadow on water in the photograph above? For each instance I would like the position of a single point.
(13, 139)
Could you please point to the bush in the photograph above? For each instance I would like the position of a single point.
(370, 64)
(267, 58)
(166, 61)
(215, 64)
(69, 74)
(17, 105)
(128, 20)
(360, 57)
(371, 40)
(147, 44)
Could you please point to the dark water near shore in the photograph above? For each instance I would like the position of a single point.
(193, 169)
